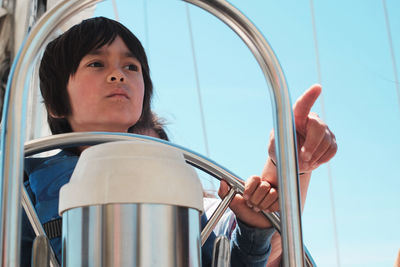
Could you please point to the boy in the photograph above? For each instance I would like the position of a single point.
(95, 77)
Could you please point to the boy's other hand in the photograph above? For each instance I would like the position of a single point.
(258, 195)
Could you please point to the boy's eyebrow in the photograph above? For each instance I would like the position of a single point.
(97, 52)
(130, 54)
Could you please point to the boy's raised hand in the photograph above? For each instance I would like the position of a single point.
(316, 144)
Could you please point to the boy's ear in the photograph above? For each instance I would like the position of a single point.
(51, 113)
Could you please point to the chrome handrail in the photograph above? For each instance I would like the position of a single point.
(14, 121)
(285, 133)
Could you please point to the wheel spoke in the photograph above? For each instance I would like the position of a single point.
(216, 216)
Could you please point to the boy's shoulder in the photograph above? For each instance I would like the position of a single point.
(34, 163)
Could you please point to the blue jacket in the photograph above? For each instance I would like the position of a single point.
(250, 246)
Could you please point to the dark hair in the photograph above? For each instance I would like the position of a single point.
(157, 125)
(62, 57)
(159, 129)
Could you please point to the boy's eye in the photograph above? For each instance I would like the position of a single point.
(132, 67)
(96, 64)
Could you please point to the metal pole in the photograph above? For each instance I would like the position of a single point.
(216, 216)
(289, 196)
(14, 121)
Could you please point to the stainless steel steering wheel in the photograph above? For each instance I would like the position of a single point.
(62, 141)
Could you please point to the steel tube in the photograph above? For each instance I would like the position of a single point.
(14, 121)
(216, 216)
(285, 134)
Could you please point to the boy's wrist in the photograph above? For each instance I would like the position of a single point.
(274, 163)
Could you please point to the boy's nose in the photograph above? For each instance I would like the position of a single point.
(115, 76)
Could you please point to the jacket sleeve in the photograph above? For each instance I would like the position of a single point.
(250, 246)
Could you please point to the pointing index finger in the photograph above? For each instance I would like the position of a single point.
(303, 105)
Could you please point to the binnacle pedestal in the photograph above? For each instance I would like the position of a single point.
(131, 204)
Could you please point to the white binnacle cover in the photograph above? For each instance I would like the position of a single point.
(132, 172)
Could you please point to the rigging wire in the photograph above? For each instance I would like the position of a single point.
(146, 26)
(323, 113)
(396, 78)
(114, 3)
(203, 123)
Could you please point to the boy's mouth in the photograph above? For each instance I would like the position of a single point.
(119, 93)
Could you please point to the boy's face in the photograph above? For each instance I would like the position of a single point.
(106, 92)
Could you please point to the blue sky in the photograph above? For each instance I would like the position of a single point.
(358, 89)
